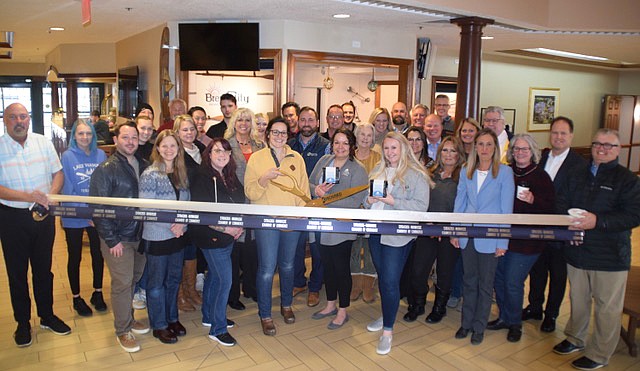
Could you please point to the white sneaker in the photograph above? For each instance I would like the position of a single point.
(140, 299)
(200, 282)
(139, 328)
(384, 345)
(375, 325)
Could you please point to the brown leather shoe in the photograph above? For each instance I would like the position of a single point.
(288, 315)
(268, 327)
(177, 328)
(165, 336)
(299, 290)
(313, 299)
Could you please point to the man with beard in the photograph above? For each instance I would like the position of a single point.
(349, 113)
(399, 117)
(311, 146)
(119, 239)
(228, 105)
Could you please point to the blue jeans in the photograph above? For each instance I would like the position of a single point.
(217, 285)
(164, 273)
(513, 269)
(389, 262)
(275, 249)
(300, 268)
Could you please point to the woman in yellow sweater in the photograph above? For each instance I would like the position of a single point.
(276, 163)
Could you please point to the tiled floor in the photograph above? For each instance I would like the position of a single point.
(307, 344)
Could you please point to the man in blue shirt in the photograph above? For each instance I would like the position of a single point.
(311, 146)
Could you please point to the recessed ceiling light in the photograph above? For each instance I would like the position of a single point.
(561, 53)
(341, 16)
(56, 28)
(487, 37)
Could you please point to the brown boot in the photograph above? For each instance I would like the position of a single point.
(183, 304)
(189, 273)
(356, 286)
(368, 289)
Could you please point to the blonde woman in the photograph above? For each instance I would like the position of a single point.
(260, 126)
(363, 273)
(408, 188)
(381, 121)
(243, 138)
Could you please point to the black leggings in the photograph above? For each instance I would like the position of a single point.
(336, 262)
(74, 248)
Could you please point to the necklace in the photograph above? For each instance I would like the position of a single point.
(242, 143)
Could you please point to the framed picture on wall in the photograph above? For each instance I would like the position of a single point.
(543, 108)
(509, 118)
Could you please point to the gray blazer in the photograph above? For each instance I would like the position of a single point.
(238, 157)
(352, 174)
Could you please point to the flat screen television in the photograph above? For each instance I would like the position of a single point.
(219, 46)
(128, 91)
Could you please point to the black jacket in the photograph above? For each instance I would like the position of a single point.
(572, 161)
(115, 177)
(203, 189)
(613, 195)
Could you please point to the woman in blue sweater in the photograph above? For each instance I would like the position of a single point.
(165, 179)
(78, 163)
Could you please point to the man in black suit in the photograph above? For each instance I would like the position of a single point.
(557, 162)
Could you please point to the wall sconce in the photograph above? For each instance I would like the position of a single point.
(53, 75)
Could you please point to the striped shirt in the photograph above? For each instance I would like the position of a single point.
(27, 168)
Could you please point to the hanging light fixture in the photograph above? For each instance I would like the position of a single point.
(328, 81)
(373, 84)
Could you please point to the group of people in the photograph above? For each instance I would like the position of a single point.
(415, 160)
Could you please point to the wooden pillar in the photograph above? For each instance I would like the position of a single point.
(72, 102)
(468, 92)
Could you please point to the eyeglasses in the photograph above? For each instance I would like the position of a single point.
(521, 149)
(606, 146)
(278, 133)
(335, 117)
(493, 121)
(16, 117)
(218, 151)
(414, 139)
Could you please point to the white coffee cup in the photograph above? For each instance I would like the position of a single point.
(576, 212)
(520, 191)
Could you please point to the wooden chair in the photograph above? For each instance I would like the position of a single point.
(632, 309)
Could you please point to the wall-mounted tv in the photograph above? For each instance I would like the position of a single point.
(128, 91)
(219, 46)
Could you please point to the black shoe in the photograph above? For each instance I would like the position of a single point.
(56, 325)
(22, 336)
(477, 338)
(515, 333)
(414, 312)
(165, 336)
(528, 314)
(252, 297)
(584, 363)
(81, 307)
(497, 324)
(98, 301)
(230, 323)
(237, 305)
(548, 325)
(565, 347)
(462, 333)
(436, 315)
(225, 339)
(177, 328)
